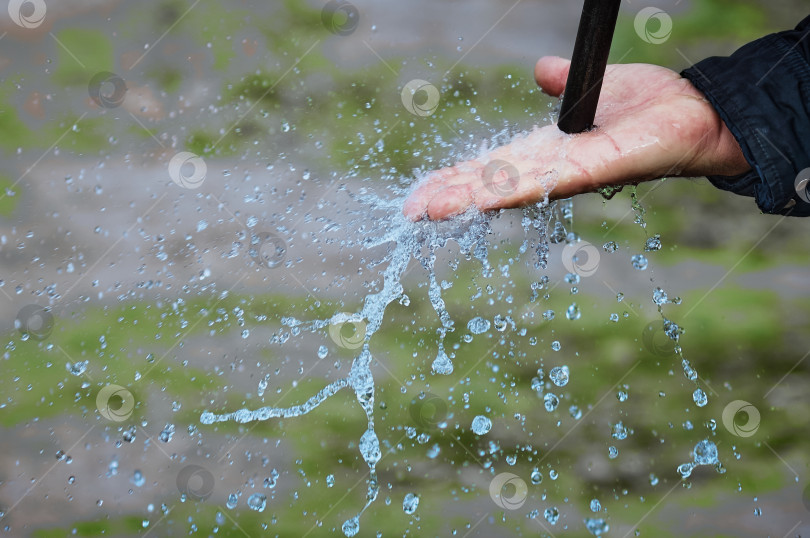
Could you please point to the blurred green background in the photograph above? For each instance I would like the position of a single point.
(307, 99)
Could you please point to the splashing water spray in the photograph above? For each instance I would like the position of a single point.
(421, 240)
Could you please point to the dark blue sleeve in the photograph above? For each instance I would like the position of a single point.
(762, 93)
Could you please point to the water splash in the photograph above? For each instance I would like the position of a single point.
(405, 240)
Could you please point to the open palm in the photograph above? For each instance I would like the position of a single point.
(650, 122)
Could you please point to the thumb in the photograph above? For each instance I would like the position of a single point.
(551, 72)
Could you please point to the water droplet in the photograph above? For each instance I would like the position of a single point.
(573, 312)
(77, 368)
(653, 243)
(166, 434)
(685, 469)
(559, 375)
(481, 425)
(536, 476)
(705, 453)
(596, 526)
(232, 501)
(478, 325)
(639, 261)
(351, 526)
(613, 452)
(410, 503)
(257, 502)
(660, 297)
(550, 401)
(575, 412)
(555, 345)
(552, 515)
(137, 478)
(323, 351)
(370, 447)
(619, 431)
(688, 371)
(442, 364)
(621, 396)
(700, 397)
(595, 505)
(330, 481)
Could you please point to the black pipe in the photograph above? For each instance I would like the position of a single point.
(596, 26)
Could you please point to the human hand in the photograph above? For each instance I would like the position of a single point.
(651, 123)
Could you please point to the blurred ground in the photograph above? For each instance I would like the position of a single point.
(153, 284)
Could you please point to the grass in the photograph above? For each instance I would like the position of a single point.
(742, 341)
(735, 330)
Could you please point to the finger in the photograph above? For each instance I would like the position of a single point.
(450, 202)
(415, 205)
(551, 73)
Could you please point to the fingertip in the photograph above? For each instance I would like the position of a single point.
(453, 201)
(414, 209)
(551, 74)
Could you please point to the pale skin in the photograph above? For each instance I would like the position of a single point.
(650, 123)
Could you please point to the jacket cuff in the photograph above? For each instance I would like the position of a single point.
(762, 94)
